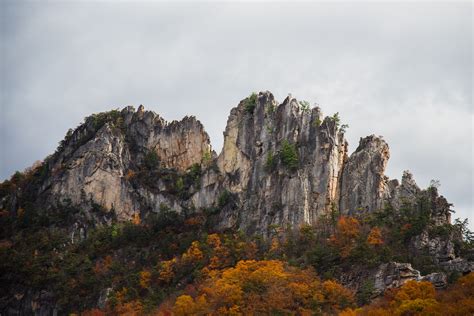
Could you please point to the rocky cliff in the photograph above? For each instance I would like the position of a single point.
(283, 161)
(281, 164)
(96, 163)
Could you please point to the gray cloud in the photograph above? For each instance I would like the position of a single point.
(400, 70)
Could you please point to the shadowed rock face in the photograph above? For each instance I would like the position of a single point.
(281, 164)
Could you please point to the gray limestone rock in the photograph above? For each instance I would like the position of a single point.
(441, 248)
(280, 165)
(458, 265)
(252, 160)
(393, 275)
(283, 164)
(94, 167)
(364, 186)
(439, 279)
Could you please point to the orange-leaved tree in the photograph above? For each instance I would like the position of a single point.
(264, 287)
(347, 231)
(459, 298)
(145, 279)
(193, 254)
(375, 237)
(166, 270)
(420, 298)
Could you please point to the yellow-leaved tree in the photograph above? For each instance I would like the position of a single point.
(264, 287)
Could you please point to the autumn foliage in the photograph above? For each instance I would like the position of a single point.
(193, 253)
(102, 266)
(175, 264)
(264, 287)
(347, 231)
(420, 298)
(145, 278)
(375, 237)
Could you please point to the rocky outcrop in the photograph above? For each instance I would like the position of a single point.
(393, 275)
(281, 164)
(178, 144)
(406, 192)
(441, 248)
(458, 265)
(96, 165)
(440, 207)
(273, 190)
(364, 185)
(94, 172)
(386, 276)
(439, 279)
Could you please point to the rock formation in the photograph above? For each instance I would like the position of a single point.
(96, 168)
(364, 185)
(394, 274)
(281, 164)
(272, 190)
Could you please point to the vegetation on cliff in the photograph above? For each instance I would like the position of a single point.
(420, 298)
(134, 215)
(174, 263)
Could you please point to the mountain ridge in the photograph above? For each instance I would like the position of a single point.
(148, 131)
(284, 169)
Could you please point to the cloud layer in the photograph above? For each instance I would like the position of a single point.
(402, 70)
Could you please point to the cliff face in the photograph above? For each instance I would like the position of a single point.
(281, 164)
(284, 162)
(364, 185)
(96, 165)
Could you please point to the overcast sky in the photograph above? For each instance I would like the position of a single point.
(402, 70)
